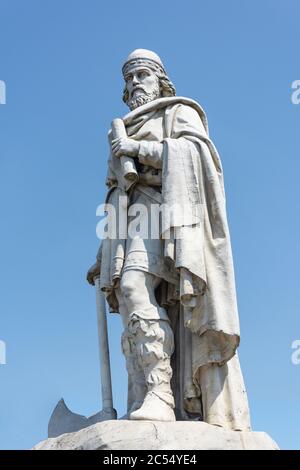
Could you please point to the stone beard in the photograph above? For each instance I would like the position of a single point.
(176, 297)
(143, 98)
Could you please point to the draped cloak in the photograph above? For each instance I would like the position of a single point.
(200, 296)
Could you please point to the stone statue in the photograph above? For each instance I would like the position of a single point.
(175, 292)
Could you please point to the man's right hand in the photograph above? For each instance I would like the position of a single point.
(93, 272)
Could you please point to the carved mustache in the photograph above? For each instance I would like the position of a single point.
(138, 87)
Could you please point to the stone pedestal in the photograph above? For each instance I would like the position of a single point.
(153, 435)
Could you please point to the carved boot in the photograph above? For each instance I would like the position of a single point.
(137, 384)
(139, 390)
(154, 344)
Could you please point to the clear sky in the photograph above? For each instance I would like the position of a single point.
(61, 62)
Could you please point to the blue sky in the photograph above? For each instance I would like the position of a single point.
(61, 63)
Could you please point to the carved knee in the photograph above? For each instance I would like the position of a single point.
(129, 289)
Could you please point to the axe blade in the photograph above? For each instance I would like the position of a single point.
(63, 420)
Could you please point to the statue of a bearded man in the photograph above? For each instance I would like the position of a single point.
(175, 292)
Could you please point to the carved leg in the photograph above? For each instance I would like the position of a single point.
(154, 344)
(151, 341)
(136, 376)
(135, 372)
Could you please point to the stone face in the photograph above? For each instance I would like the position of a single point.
(154, 435)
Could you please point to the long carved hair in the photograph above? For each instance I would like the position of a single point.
(166, 88)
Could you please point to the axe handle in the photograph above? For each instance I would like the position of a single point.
(106, 387)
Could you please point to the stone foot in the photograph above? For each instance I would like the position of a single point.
(153, 409)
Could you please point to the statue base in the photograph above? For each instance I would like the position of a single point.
(155, 435)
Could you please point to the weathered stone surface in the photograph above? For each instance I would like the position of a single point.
(154, 435)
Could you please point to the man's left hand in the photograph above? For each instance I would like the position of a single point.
(125, 146)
